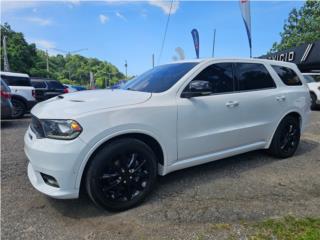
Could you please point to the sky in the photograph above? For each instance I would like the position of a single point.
(116, 31)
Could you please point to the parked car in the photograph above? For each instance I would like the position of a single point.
(119, 84)
(114, 143)
(22, 92)
(47, 88)
(6, 105)
(79, 88)
(69, 88)
(313, 81)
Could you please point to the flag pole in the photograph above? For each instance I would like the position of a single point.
(214, 42)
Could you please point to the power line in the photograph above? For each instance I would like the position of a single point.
(165, 32)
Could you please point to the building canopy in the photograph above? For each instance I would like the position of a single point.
(306, 56)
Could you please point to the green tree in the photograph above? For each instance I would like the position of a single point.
(21, 55)
(302, 26)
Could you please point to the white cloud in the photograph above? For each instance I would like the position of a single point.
(165, 5)
(44, 44)
(39, 21)
(10, 6)
(103, 18)
(119, 15)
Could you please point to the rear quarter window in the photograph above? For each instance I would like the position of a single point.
(287, 75)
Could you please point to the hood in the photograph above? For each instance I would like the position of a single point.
(73, 104)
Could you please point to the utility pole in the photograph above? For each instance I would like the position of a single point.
(47, 61)
(6, 66)
(214, 42)
(152, 60)
(126, 66)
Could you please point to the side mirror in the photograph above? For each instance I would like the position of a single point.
(197, 88)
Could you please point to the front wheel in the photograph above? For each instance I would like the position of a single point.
(286, 138)
(121, 174)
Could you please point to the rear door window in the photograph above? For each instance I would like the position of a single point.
(287, 75)
(17, 81)
(253, 76)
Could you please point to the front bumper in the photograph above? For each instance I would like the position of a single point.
(56, 158)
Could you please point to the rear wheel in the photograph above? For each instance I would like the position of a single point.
(19, 108)
(121, 174)
(286, 138)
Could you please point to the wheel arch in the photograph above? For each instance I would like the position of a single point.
(147, 138)
(20, 98)
(293, 113)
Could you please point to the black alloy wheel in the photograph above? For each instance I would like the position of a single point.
(122, 174)
(286, 138)
(19, 108)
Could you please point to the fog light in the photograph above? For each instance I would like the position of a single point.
(49, 180)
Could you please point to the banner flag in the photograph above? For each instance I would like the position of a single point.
(195, 36)
(246, 16)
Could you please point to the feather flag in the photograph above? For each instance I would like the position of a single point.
(246, 16)
(195, 36)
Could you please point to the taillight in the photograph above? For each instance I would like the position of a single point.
(6, 95)
(34, 93)
(65, 90)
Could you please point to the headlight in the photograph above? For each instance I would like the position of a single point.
(61, 129)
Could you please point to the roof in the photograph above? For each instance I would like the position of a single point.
(14, 74)
(234, 59)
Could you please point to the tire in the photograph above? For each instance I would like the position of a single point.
(121, 174)
(19, 108)
(313, 101)
(286, 138)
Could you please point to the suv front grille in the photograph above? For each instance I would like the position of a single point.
(36, 127)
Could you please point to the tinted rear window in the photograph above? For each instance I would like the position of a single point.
(16, 81)
(55, 85)
(312, 78)
(253, 76)
(287, 75)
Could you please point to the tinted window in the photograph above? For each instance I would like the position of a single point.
(312, 78)
(54, 85)
(16, 81)
(38, 84)
(219, 77)
(4, 86)
(287, 75)
(160, 78)
(253, 76)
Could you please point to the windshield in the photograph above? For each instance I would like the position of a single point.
(312, 78)
(159, 79)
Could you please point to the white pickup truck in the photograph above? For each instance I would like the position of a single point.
(23, 94)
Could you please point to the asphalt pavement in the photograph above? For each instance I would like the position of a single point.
(188, 204)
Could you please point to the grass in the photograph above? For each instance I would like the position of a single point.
(288, 228)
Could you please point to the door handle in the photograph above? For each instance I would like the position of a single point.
(281, 98)
(232, 104)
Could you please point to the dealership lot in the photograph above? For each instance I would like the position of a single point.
(187, 204)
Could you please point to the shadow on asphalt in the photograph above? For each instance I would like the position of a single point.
(15, 123)
(181, 180)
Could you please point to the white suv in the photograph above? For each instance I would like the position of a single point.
(313, 81)
(23, 93)
(115, 142)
